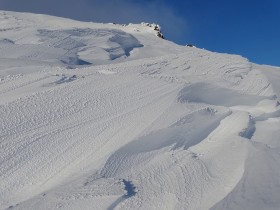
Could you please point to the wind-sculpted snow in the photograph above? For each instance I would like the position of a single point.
(215, 95)
(187, 132)
(81, 43)
(107, 116)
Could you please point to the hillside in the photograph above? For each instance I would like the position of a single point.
(108, 116)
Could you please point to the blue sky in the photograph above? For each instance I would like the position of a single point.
(247, 27)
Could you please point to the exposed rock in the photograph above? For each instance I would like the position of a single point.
(156, 27)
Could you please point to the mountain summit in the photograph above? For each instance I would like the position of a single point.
(108, 116)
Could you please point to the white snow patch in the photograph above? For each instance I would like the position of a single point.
(109, 116)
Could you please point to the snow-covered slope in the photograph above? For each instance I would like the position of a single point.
(107, 116)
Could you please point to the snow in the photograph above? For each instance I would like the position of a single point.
(108, 116)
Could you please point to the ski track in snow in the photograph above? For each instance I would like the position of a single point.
(106, 116)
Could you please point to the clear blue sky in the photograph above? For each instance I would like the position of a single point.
(247, 27)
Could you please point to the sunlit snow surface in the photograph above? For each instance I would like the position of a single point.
(107, 116)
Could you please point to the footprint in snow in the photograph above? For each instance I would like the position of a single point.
(66, 79)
